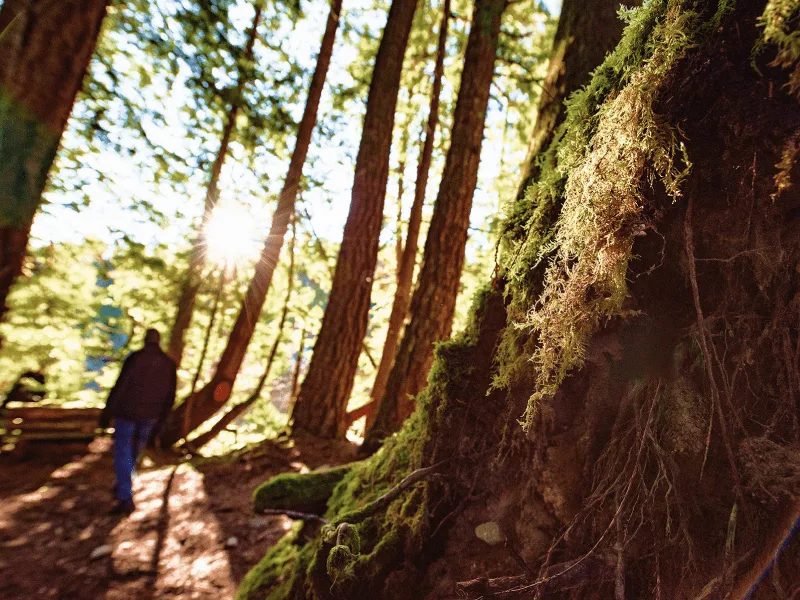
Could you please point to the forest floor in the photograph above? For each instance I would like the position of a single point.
(193, 534)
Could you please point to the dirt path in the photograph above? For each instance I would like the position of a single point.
(193, 534)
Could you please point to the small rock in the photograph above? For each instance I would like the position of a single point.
(258, 522)
(490, 532)
(232, 542)
(101, 552)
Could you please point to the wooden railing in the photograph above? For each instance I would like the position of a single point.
(48, 423)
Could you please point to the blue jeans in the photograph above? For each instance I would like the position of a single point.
(130, 438)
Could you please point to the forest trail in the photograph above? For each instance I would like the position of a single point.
(193, 534)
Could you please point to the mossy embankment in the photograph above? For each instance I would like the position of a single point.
(629, 379)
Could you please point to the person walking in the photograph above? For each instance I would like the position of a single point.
(138, 403)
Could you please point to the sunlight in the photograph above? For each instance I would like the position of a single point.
(231, 237)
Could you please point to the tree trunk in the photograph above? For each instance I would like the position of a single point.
(241, 408)
(45, 50)
(405, 278)
(298, 363)
(209, 329)
(191, 283)
(322, 402)
(207, 401)
(433, 304)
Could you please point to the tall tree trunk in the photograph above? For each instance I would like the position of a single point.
(45, 50)
(207, 401)
(402, 295)
(321, 404)
(241, 408)
(191, 283)
(433, 304)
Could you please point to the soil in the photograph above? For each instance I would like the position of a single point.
(193, 534)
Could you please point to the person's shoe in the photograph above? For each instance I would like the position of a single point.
(123, 508)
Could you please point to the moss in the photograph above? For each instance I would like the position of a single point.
(308, 492)
(340, 558)
(567, 246)
(781, 24)
(271, 578)
(531, 231)
(789, 156)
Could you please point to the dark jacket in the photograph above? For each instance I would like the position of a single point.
(145, 388)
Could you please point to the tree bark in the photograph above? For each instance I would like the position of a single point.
(405, 278)
(322, 401)
(433, 303)
(45, 50)
(241, 408)
(207, 401)
(191, 283)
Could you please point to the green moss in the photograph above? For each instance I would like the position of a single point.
(308, 492)
(271, 578)
(340, 558)
(567, 245)
(789, 156)
(781, 24)
(530, 237)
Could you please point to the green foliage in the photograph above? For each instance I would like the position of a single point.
(78, 310)
(781, 24)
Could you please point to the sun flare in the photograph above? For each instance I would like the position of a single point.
(230, 235)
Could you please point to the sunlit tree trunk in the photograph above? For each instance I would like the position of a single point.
(45, 48)
(402, 295)
(322, 401)
(433, 303)
(191, 283)
(207, 401)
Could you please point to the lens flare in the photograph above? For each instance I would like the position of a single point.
(230, 235)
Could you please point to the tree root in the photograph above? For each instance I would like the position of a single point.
(384, 501)
(293, 514)
(563, 576)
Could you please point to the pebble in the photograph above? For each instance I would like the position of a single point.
(101, 552)
(490, 532)
(232, 542)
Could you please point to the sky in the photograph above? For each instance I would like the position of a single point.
(113, 200)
